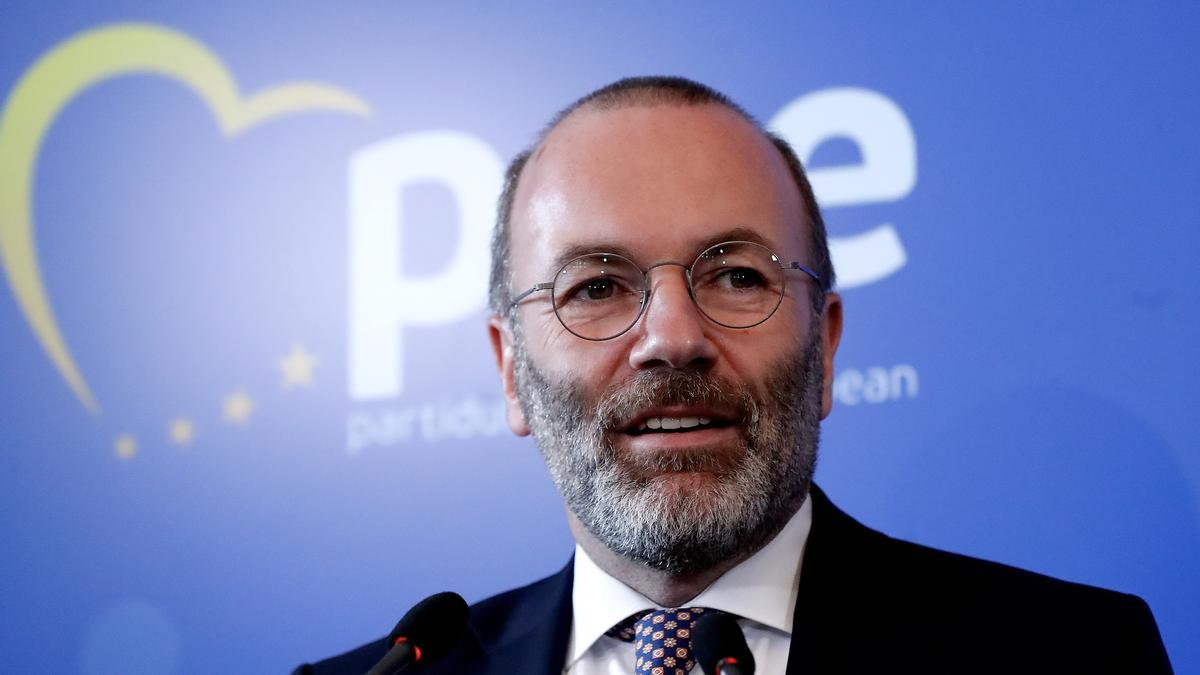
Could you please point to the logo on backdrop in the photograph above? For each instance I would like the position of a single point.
(46, 89)
(383, 300)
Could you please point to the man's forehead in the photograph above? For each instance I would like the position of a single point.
(588, 129)
(662, 181)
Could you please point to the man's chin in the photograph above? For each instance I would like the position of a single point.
(691, 496)
(692, 485)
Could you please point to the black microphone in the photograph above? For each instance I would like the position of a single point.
(720, 646)
(426, 633)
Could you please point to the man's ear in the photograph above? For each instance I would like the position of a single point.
(831, 335)
(500, 334)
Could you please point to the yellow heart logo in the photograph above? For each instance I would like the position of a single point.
(62, 74)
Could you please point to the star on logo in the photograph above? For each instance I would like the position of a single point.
(126, 447)
(181, 431)
(297, 367)
(237, 407)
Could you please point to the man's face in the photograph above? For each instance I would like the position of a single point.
(662, 183)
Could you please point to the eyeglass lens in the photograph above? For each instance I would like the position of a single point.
(736, 284)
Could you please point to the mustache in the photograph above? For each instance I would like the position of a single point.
(671, 387)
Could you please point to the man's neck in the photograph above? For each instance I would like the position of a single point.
(665, 588)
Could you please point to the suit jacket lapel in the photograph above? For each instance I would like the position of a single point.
(530, 635)
(832, 577)
(861, 607)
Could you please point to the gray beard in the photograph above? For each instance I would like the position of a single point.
(615, 495)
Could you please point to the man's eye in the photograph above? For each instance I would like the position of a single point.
(595, 289)
(742, 278)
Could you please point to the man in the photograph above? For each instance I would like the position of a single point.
(665, 329)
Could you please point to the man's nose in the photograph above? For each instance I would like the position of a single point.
(672, 331)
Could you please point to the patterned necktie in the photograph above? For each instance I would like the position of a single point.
(662, 640)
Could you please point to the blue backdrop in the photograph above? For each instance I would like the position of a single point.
(248, 414)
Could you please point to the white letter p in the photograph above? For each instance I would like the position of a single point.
(382, 299)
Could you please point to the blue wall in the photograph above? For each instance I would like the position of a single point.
(1012, 197)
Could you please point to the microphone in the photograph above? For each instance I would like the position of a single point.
(426, 633)
(720, 646)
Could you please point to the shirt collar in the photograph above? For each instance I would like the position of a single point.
(761, 588)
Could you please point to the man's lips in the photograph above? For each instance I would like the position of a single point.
(696, 439)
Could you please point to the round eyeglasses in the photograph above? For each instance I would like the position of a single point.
(600, 296)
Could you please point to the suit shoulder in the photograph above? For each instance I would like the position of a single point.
(885, 567)
(938, 611)
(971, 597)
(495, 620)
(926, 569)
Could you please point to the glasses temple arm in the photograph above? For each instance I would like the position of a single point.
(803, 268)
(544, 286)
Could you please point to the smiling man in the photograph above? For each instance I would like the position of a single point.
(665, 329)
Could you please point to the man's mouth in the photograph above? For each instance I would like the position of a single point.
(681, 441)
(676, 424)
(650, 423)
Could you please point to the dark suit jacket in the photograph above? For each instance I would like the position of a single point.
(867, 604)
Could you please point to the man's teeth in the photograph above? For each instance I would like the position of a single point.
(673, 423)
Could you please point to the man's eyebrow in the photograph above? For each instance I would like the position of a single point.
(739, 233)
(579, 249)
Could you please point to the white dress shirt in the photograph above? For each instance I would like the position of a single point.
(761, 590)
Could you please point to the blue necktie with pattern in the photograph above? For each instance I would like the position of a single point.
(662, 641)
